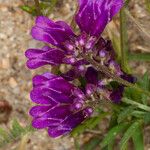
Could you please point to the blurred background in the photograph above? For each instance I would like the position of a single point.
(15, 78)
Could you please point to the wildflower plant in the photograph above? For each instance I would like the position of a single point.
(72, 102)
(63, 105)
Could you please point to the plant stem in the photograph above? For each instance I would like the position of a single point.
(38, 9)
(107, 72)
(124, 41)
(139, 105)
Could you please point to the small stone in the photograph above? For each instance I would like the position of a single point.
(5, 63)
(12, 82)
(3, 36)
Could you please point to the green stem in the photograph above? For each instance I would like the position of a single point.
(124, 41)
(139, 105)
(38, 9)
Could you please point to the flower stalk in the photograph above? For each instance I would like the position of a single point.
(106, 71)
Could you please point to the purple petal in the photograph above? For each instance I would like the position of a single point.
(67, 125)
(70, 75)
(56, 132)
(129, 78)
(79, 94)
(44, 56)
(38, 111)
(57, 84)
(40, 96)
(59, 112)
(46, 116)
(90, 89)
(41, 123)
(117, 94)
(51, 32)
(94, 15)
(48, 96)
(49, 116)
(38, 79)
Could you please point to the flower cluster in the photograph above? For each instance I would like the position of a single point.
(62, 105)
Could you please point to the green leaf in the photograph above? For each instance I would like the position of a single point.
(97, 120)
(147, 118)
(115, 38)
(133, 94)
(82, 127)
(91, 144)
(138, 139)
(13, 134)
(3, 135)
(47, 6)
(124, 41)
(128, 134)
(139, 57)
(136, 104)
(138, 114)
(111, 145)
(112, 133)
(125, 113)
(145, 83)
(17, 129)
(29, 9)
(113, 120)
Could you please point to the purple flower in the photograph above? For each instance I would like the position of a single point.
(61, 106)
(46, 55)
(92, 17)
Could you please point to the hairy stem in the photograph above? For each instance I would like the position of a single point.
(109, 74)
(38, 9)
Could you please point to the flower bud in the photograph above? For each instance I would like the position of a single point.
(78, 93)
(69, 60)
(90, 43)
(102, 53)
(81, 40)
(90, 88)
(88, 112)
(69, 46)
